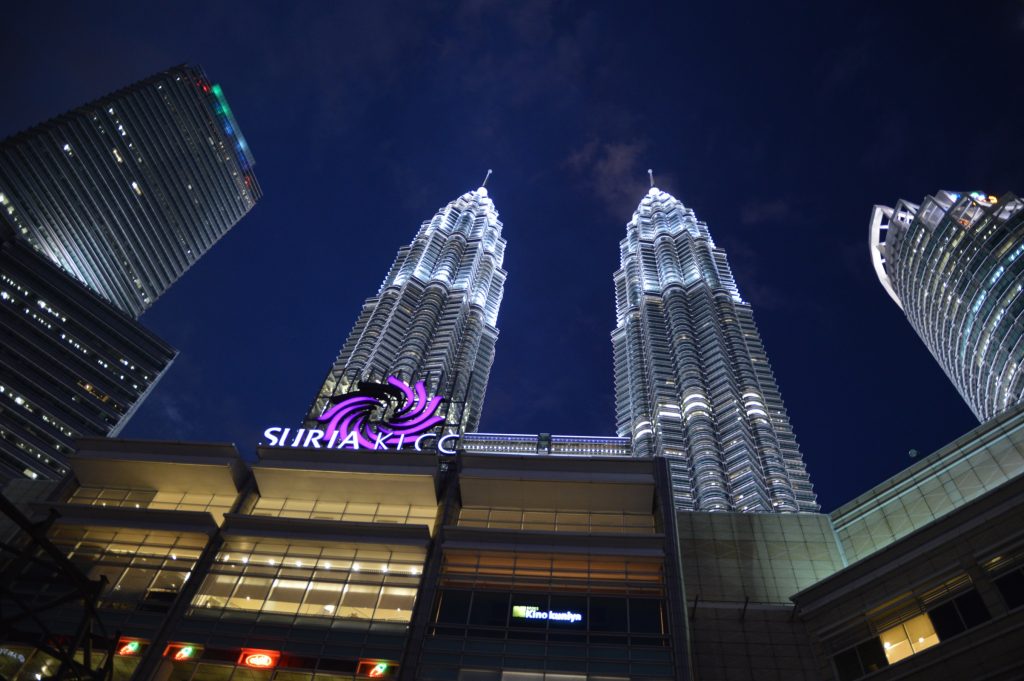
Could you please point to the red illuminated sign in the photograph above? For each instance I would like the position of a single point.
(128, 648)
(258, 659)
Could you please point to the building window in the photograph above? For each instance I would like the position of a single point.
(556, 521)
(352, 511)
(912, 636)
(961, 613)
(908, 638)
(144, 569)
(1011, 587)
(555, 613)
(296, 579)
(565, 572)
(863, 659)
(215, 504)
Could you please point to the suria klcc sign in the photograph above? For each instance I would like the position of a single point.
(392, 415)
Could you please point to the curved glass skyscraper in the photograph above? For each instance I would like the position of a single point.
(953, 266)
(692, 380)
(434, 317)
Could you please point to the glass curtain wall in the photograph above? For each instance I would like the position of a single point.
(367, 583)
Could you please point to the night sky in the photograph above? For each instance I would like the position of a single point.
(780, 126)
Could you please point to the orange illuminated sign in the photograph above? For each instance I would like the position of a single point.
(258, 659)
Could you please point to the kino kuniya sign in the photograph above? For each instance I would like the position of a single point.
(392, 415)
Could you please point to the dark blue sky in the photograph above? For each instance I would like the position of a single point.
(780, 125)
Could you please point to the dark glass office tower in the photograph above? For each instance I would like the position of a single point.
(71, 364)
(127, 192)
(692, 379)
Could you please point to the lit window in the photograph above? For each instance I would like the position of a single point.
(908, 638)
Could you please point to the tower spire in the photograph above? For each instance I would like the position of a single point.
(650, 174)
(486, 177)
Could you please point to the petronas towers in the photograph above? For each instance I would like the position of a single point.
(434, 318)
(692, 380)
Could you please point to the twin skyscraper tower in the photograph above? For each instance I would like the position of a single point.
(104, 207)
(692, 380)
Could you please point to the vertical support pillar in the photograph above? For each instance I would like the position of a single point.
(988, 591)
(679, 625)
(427, 595)
(152, 660)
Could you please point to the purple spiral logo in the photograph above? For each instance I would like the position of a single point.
(376, 411)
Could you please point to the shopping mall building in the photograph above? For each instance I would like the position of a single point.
(517, 559)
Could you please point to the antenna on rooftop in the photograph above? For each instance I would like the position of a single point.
(486, 177)
(650, 174)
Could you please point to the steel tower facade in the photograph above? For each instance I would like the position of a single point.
(692, 379)
(71, 364)
(435, 316)
(953, 266)
(127, 192)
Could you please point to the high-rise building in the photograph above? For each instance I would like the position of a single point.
(953, 266)
(127, 192)
(71, 364)
(434, 317)
(692, 380)
(123, 195)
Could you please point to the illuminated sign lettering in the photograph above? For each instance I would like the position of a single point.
(376, 669)
(532, 612)
(181, 652)
(378, 416)
(258, 659)
(7, 652)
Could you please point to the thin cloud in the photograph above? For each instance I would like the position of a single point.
(613, 171)
(765, 211)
